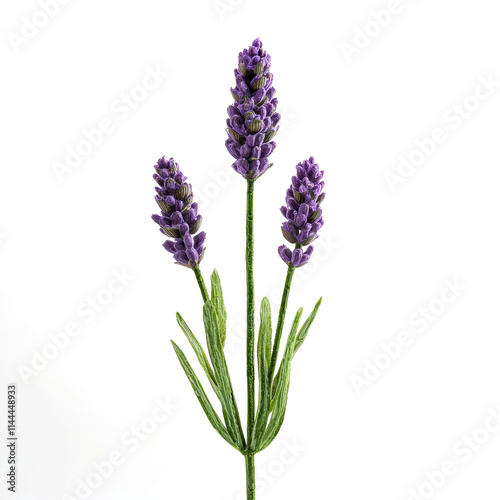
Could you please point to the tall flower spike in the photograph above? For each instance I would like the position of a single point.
(253, 120)
(303, 213)
(179, 217)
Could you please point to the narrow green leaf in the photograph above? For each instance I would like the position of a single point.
(267, 339)
(216, 353)
(218, 301)
(200, 353)
(203, 399)
(281, 370)
(305, 327)
(263, 361)
(298, 342)
(281, 397)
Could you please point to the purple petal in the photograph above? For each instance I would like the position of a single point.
(296, 257)
(181, 257)
(192, 254)
(177, 218)
(199, 239)
(188, 240)
(169, 246)
(259, 139)
(285, 253)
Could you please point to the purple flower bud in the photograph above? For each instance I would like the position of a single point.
(188, 240)
(296, 255)
(199, 239)
(182, 258)
(253, 120)
(303, 213)
(179, 217)
(285, 253)
(192, 254)
(169, 246)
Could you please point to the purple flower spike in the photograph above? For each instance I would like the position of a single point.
(179, 217)
(253, 120)
(303, 213)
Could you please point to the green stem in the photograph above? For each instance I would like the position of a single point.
(281, 321)
(201, 283)
(250, 468)
(250, 314)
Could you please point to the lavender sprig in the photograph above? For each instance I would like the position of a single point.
(253, 120)
(304, 219)
(179, 217)
(180, 220)
(252, 123)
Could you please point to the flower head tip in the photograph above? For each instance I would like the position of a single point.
(253, 120)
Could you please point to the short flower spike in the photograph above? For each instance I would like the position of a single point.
(179, 217)
(303, 213)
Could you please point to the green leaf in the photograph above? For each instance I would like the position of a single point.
(305, 327)
(266, 323)
(281, 397)
(298, 342)
(218, 301)
(263, 361)
(200, 353)
(229, 408)
(203, 399)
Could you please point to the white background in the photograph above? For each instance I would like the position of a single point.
(383, 253)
